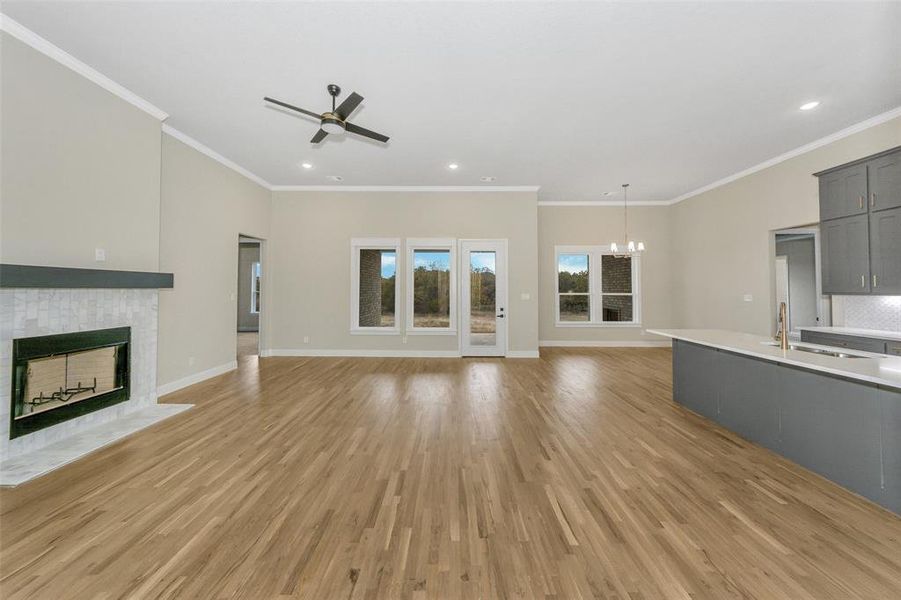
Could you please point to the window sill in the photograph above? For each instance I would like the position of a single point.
(374, 331)
(435, 331)
(594, 325)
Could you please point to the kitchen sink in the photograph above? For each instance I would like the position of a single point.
(821, 351)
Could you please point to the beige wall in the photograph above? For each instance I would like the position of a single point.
(80, 168)
(310, 260)
(722, 240)
(600, 225)
(205, 207)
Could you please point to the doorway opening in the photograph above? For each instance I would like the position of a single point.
(250, 296)
(797, 279)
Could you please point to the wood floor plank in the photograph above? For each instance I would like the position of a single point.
(571, 476)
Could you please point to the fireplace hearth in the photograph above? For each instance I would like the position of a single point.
(60, 377)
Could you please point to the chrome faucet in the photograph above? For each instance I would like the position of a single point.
(782, 334)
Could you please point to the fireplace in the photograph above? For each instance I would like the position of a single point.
(60, 377)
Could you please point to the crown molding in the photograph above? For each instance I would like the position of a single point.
(26, 36)
(601, 203)
(834, 137)
(188, 140)
(405, 188)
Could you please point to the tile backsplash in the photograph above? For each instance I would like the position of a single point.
(867, 312)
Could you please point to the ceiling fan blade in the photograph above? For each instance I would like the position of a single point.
(350, 103)
(365, 132)
(320, 135)
(300, 110)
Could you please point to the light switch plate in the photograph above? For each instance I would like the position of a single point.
(748, 298)
(525, 296)
(100, 254)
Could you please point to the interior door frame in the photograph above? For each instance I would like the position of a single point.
(262, 327)
(501, 299)
(824, 303)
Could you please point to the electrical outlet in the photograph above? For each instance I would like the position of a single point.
(748, 298)
(525, 296)
(306, 339)
(403, 340)
(190, 361)
(100, 254)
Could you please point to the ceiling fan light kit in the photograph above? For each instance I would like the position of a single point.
(334, 122)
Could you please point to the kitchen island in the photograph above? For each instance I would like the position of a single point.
(839, 416)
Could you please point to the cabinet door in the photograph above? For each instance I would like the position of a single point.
(843, 193)
(885, 181)
(845, 251)
(749, 399)
(833, 427)
(885, 248)
(696, 378)
(891, 449)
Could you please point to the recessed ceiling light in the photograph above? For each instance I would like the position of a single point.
(453, 166)
(810, 105)
(488, 178)
(306, 165)
(334, 177)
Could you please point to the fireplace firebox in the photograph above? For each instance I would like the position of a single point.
(60, 377)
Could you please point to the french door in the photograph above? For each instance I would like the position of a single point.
(484, 306)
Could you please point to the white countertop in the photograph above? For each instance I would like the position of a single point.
(871, 333)
(875, 368)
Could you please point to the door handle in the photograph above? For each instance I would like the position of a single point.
(860, 202)
(875, 281)
(873, 199)
(863, 281)
(499, 316)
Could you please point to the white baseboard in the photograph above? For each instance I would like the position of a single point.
(522, 353)
(363, 353)
(184, 382)
(602, 344)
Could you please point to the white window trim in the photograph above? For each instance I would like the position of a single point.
(594, 288)
(413, 244)
(254, 307)
(357, 244)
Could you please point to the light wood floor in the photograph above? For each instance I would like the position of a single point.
(573, 476)
(248, 343)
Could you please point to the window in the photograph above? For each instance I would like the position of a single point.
(255, 287)
(596, 288)
(431, 286)
(375, 287)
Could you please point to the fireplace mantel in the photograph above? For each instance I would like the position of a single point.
(30, 276)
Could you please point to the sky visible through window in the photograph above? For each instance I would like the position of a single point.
(389, 263)
(438, 261)
(482, 261)
(573, 263)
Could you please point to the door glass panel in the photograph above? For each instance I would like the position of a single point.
(482, 299)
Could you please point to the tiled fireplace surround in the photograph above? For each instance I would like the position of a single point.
(33, 312)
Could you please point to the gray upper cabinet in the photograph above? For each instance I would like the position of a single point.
(843, 193)
(885, 181)
(845, 255)
(859, 226)
(885, 248)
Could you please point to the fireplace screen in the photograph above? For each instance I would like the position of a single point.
(58, 377)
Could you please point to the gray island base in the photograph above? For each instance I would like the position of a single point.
(843, 428)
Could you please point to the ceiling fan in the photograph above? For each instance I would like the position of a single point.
(335, 122)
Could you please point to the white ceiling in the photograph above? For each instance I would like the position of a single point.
(575, 97)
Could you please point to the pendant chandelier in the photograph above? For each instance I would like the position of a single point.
(629, 246)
